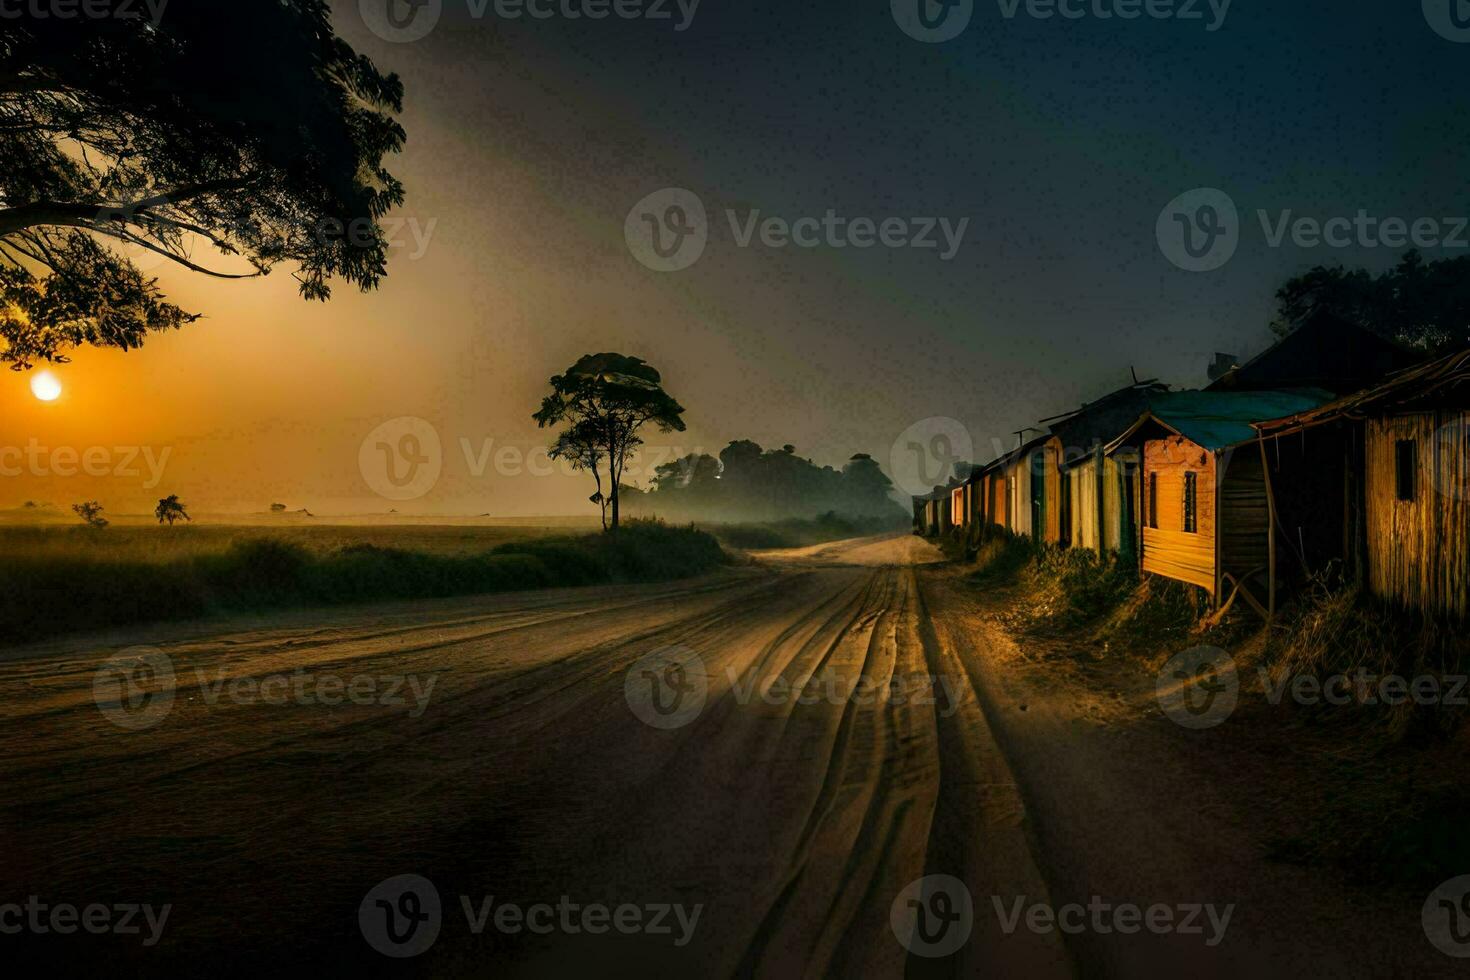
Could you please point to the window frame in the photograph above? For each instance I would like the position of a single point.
(1190, 516)
(1406, 470)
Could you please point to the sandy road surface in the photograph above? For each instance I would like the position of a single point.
(792, 823)
(501, 748)
(1133, 809)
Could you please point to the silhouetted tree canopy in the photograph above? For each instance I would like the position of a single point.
(604, 400)
(1425, 305)
(246, 128)
(748, 483)
(171, 509)
(90, 511)
(580, 445)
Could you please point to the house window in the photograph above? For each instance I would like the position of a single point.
(1406, 463)
(1191, 524)
(1153, 501)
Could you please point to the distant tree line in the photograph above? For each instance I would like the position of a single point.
(1421, 304)
(747, 483)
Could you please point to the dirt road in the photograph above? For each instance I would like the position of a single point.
(518, 766)
(743, 775)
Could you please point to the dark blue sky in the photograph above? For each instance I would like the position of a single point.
(1060, 140)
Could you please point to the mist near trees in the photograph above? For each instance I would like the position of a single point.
(750, 484)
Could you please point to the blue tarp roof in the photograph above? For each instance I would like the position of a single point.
(1220, 419)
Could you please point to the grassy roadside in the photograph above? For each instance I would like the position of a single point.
(89, 581)
(1372, 789)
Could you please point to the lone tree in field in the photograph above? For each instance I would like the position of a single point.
(579, 447)
(171, 509)
(603, 400)
(91, 514)
(245, 129)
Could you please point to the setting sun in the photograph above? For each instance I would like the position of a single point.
(46, 387)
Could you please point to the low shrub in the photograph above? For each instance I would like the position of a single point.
(46, 595)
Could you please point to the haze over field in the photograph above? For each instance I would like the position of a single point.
(529, 141)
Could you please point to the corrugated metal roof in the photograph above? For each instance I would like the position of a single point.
(1220, 419)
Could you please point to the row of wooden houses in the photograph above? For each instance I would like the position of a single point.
(1334, 446)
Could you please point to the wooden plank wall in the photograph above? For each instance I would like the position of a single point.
(1019, 474)
(1052, 456)
(1244, 514)
(1084, 505)
(1112, 515)
(1419, 550)
(997, 484)
(1169, 550)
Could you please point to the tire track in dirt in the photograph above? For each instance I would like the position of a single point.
(794, 824)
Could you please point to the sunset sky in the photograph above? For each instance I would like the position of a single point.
(530, 141)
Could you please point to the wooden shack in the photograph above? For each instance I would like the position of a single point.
(1087, 495)
(1104, 501)
(1019, 488)
(1202, 509)
(1380, 479)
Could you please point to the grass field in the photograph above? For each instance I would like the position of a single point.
(62, 578)
(149, 543)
